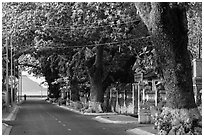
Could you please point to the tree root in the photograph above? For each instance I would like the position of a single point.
(94, 107)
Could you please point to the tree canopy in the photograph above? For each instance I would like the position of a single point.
(67, 34)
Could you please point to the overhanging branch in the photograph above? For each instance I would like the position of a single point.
(29, 65)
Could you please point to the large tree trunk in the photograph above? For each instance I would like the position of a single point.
(168, 25)
(51, 76)
(54, 90)
(75, 89)
(96, 79)
(95, 75)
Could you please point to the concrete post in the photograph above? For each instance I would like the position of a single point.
(19, 77)
(11, 72)
(197, 79)
(7, 77)
(155, 90)
(21, 85)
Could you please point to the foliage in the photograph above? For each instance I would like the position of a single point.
(146, 60)
(167, 123)
(50, 32)
(194, 16)
(163, 122)
(110, 20)
(25, 22)
(51, 28)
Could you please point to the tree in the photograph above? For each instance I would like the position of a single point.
(25, 21)
(98, 24)
(167, 23)
(66, 28)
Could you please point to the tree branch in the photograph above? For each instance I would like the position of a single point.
(29, 65)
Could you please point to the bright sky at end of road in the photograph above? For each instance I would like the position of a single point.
(33, 78)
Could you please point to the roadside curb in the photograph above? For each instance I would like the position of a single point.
(6, 129)
(12, 115)
(104, 120)
(73, 110)
(87, 114)
(80, 112)
(101, 114)
(138, 131)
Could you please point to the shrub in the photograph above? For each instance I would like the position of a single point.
(166, 122)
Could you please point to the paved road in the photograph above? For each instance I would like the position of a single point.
(37, 117)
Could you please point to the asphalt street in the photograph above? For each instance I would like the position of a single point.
(37, 117)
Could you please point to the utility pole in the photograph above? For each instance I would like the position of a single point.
(14, 80)
(19, 84)
(7, 76)
(21, 93)
(11, 72)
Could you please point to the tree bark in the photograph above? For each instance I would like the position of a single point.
(75, 89)
(168, 26)
(96, 75)
(51, 76)
(54, 90)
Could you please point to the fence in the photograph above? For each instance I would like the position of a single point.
(123, 99)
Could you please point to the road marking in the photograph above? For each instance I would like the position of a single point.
(64, 125)
(50, 115)
(55, 118)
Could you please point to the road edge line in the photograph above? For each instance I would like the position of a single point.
(12, 115)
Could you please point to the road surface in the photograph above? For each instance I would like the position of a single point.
(37, 117)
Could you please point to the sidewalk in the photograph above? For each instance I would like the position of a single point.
(141, 129)
(9, 116)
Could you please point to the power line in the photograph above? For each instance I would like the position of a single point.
(117, 42)
(93, 45)
(80, 27)
(110, 43)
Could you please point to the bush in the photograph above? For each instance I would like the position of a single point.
(166, 123)
(200, 108)
(163, 122)
(62, 101)
(78, 105)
